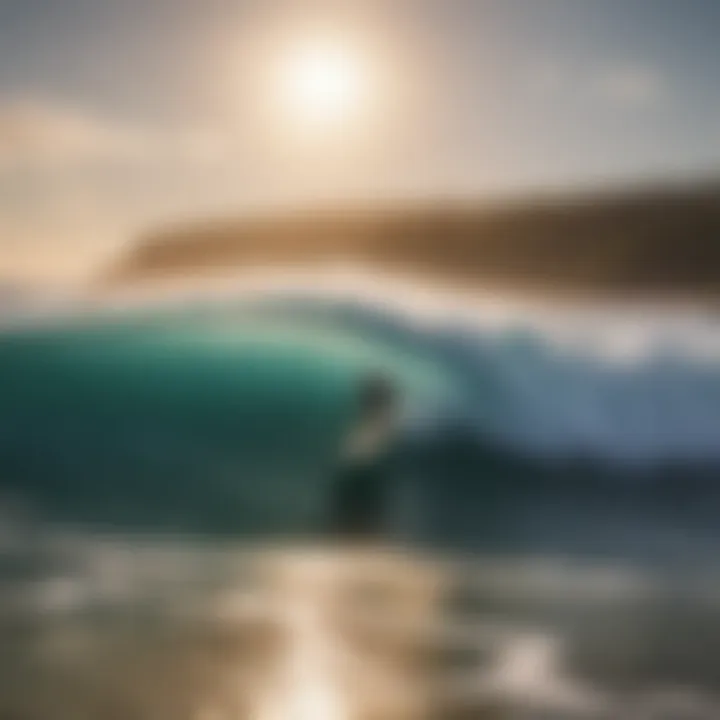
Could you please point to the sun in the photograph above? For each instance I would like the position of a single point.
(323, 83)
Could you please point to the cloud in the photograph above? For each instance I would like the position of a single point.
(59, 215)
(47, 136)
(617, 86)
(36, 134)
(550, 78)
(630, 86)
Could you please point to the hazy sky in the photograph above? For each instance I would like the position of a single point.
(117, 114)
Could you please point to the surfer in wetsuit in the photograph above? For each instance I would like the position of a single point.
(363, 484)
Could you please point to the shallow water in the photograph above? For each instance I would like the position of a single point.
(108, 626)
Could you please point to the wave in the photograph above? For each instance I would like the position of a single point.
(627, 384)
(521, 386)
(615, 381)
(175, 410)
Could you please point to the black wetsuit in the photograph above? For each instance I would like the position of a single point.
(362, 490)
(361, 498)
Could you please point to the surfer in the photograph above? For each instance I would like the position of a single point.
(362, 486)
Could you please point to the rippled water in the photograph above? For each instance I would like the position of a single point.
(102, 627)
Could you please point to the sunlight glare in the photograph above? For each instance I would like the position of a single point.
(323, 83)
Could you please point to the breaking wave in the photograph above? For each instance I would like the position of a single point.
(174, 408)
(617, 382)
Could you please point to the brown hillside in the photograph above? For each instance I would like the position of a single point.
(649, 241)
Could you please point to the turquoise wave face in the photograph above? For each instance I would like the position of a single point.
(229, 420)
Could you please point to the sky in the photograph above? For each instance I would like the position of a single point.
(117, 116)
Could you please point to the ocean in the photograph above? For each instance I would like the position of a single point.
(164, 480)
